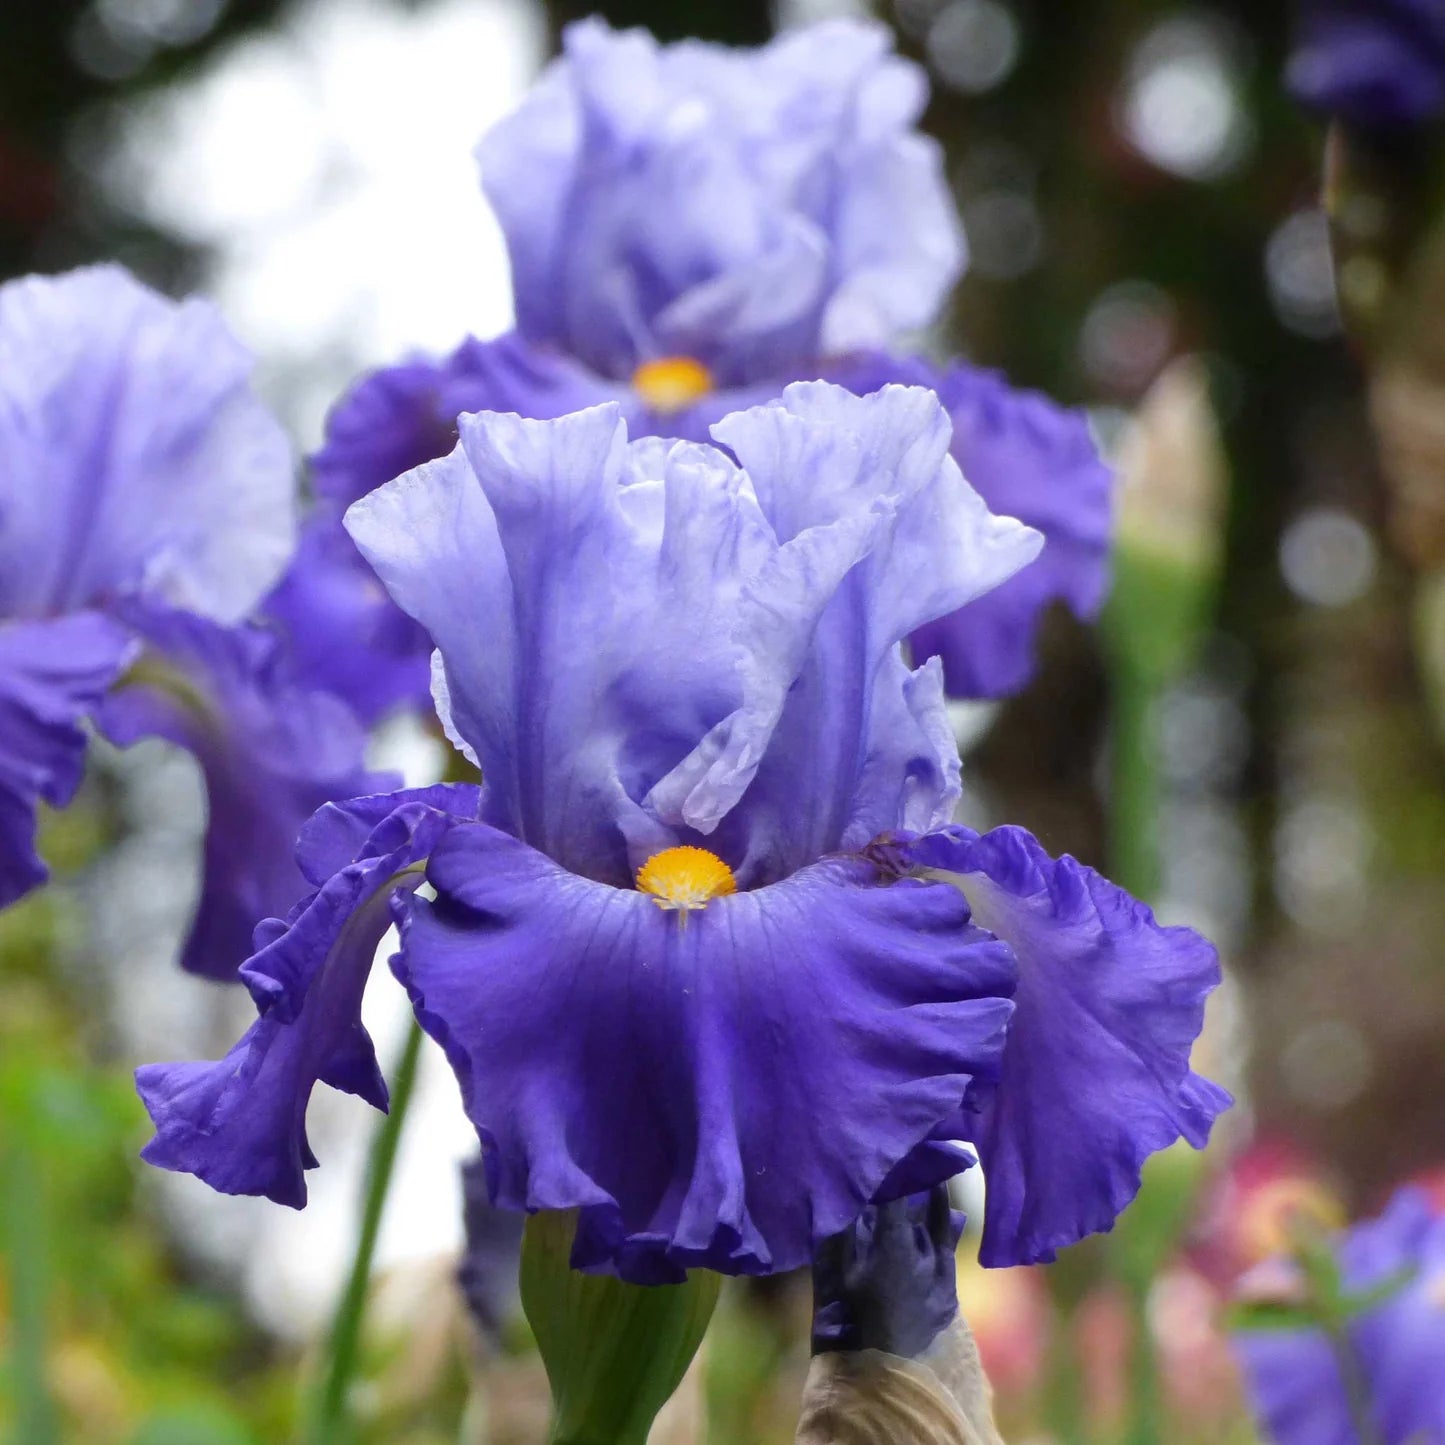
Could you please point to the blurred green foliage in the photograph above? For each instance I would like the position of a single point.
(137, 1352)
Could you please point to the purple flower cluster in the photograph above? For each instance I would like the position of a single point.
(689, 564)
(692, 228)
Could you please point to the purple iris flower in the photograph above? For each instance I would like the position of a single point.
(137, 470)
(1378, 64)
(807, 223)
(1398, 1345)
(692, 228)
(685, 988)
(805, 215)
(772, 168)
(145, 509)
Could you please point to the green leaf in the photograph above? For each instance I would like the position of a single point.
(1364, 1301)
(614, 1352)
(1270, 1315)
(1148, 1233)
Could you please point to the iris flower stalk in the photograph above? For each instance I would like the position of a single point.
(711, 963)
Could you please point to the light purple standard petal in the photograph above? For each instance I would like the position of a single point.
(52, 675)
(1096, 1073)
(1028, 458)
(747, 208)
(240, 1123)
(643, 642)
(135, 460)
(270, 752)
(343, 632)
(1398, 1346)
(719, 1090)
(606, 615)
(862, 747)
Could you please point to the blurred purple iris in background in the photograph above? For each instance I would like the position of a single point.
(704, 955)
(1396, 1346)
(146, 506)
(691, 228)
(1379, 64)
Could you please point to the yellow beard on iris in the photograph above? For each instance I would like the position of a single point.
(685, 878)
(672, 383)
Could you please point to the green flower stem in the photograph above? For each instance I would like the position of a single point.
(614, 1352)
(329, 1421)
(1134, 792)
(1357, 1392)
(24, 1241)
(1147, 1425)
(1063, 1397)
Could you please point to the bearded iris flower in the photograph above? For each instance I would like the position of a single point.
(145, 509)
(806, 216)
(691, 228)
(698, 953)
(1395, 1345)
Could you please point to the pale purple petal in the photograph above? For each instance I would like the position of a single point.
(746, 208)
(52, 676)
(604, 614)
(1027, 458)
(135, 460)
(851, 730)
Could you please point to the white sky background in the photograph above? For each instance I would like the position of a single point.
(327, 167)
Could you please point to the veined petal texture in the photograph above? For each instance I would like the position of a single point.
(1096, 1074)
(135, 459)
(722, 1089)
